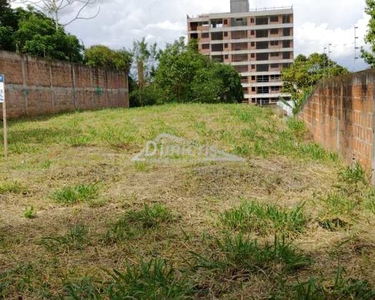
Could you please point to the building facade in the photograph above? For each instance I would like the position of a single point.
(257, 43)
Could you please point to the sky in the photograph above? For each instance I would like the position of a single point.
(318, 23)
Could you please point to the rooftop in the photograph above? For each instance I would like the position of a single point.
(257, 10)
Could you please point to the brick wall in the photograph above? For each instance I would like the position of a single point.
(340, 115)
(37, 86)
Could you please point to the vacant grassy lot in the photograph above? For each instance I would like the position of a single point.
(79, 220)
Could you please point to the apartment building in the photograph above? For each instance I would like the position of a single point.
(257, 43)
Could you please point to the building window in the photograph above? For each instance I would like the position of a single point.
(286, 44)
(274, 31)
(253, 66)
(253, 89)
(275, 88)
(274, 43)
(262, 68)
(274, 54)
(286, 55)
(226, 45)
(225, 22)
(205, 24)
(274, 18)
(274, 66)
(261, 21)
(205, 46)
(253, 78)
(286, 19)
(205, 35)
(262, 33)
(252, 20)
(252, 32)
(226, 56)
(286, 31)
(225, 34)
(252, 55)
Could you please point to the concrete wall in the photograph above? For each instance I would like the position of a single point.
(37, 86)
(340, 115)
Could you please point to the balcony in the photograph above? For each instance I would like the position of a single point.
(238, 35)
(240, 58)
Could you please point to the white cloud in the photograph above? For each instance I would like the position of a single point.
(317, 23)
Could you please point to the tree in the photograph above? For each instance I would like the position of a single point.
(304, 74)
(369, 57)
(3, 4)
(104, 57)
(177, 68)
(56, 8)
(144, 57)
(184, 75)
(8, 25)
(217, 84)
(37, 36)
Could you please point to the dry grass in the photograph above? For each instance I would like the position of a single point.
(63, 250)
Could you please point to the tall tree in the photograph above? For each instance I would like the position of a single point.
(37, 36)
(185, 75)
(369, 57)
(104, 57)
(145, 56)
(31, 32)
(304, 74)
(3, 3)
(56, 8)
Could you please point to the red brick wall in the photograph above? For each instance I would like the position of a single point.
(340, 115)
(36, 86)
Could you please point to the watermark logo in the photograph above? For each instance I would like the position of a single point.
(169, 148)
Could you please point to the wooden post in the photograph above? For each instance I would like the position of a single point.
(2, 100)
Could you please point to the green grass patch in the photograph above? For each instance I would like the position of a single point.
(75, 239)
(79, 193)
(240, 253)
(265, 219)
(149, 280)
(134, 222)
(30, 213)
(11, 188)
(319, 288)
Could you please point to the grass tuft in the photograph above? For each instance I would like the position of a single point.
(11, 188)
(354, 175)
(149, 280)
(75, 239)
(78, 193)
(30, 213)
(134, 222)
(316, 289)
(241, 253)
(265, 219)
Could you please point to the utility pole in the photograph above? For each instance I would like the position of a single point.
(355, 47)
